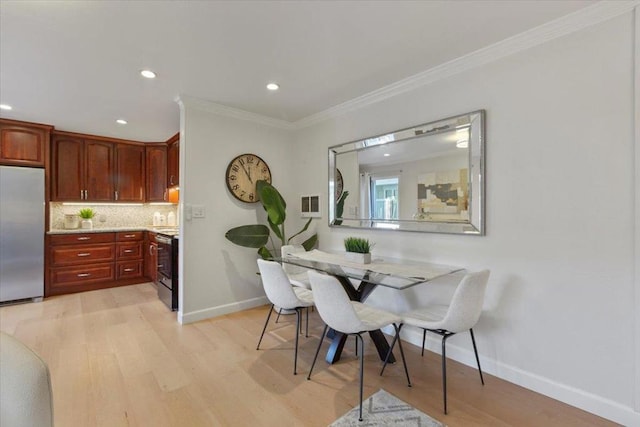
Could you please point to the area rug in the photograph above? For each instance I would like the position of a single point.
(384, 409)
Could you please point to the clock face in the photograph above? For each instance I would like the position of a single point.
(339, 184)
(242, 174)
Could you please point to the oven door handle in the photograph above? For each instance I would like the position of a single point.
(163, 240)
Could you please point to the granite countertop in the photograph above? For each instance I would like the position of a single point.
(110, 229)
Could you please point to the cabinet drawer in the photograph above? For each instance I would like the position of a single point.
(129, 269)
(129, 250)
(127, 236)
(82, 254)
(81, 275)
(82, 238)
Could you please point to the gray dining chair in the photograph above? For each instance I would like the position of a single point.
(460, 315)
(280, 293)
(348, 317)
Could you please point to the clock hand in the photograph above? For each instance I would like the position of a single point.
(248, 174)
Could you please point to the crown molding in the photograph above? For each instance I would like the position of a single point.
(186, 101)
(599, 12)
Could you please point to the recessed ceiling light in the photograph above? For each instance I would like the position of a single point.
(5, 107)
(387, 154)
(148, 74)
(273, 86)
(121, 121)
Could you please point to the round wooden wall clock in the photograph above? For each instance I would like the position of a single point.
(242, 174)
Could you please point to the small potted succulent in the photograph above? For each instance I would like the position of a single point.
(86, 214)
(358, 250)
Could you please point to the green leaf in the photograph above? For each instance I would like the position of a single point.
(265, 253)
(310, 242)
(276, 230)
(250, 236)
(340, 208)
(272, 202)
(301, 231)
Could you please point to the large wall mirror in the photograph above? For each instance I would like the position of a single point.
(427, 178)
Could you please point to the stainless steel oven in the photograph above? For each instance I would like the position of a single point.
(168, 270)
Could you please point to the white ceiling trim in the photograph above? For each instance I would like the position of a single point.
(576, 21)
(235, 113)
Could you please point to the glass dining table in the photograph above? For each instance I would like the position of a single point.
(359, 281)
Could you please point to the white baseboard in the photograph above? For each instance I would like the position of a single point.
(220, 310)
(570, 395)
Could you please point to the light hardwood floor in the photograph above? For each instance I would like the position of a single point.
(118, 357)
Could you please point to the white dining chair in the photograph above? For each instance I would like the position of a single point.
(280, 293)
(297, 275)
(460, 315)
(348, 317)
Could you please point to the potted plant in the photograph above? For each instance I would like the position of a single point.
(358, 249)
(258, 235)
(86, 214)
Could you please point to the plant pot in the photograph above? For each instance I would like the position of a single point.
(86, 224)
(358, 257)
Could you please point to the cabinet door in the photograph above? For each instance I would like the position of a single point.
(156, 174)
(173, 164)
(130, 173)
(22, 145)
(67, 169)
(99, 171)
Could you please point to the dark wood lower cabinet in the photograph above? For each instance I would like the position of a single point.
(87, 261)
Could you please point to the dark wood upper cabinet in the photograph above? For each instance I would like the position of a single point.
(67, 168)
(156, 173)
(173, 161)
(130, 173)
(99, 171)
(23, 143)
(82, 169)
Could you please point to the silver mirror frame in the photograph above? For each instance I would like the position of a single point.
(476, 223)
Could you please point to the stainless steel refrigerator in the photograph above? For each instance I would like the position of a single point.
(21, 233)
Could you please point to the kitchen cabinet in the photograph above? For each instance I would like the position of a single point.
(130, 173)
(78, 262)
(24, 143)
(173, 161)
(156, 165)
(82, 169)
(87, 261)
(129, 255)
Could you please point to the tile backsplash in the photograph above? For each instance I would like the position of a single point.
(109, 216)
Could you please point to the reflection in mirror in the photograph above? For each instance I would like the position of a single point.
(426, 178)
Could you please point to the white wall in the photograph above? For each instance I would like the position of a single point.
(218, 277)
(561, 314)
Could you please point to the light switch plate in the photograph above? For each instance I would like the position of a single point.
(198, 211)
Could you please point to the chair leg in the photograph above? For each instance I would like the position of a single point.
(278, 318)
(393, 344)
(404, 362)
(475, 350)
(295, 353)
(324, 332)
(306, 332)
(424, 337)
(265, 326)
(444, 370)
(359, 338)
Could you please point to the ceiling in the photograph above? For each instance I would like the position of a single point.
(76, 64)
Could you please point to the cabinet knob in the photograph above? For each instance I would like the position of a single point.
(128, 270)
(84, 275)
(83, 238)
(129, 236)
(84, 254)
(128, 251)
